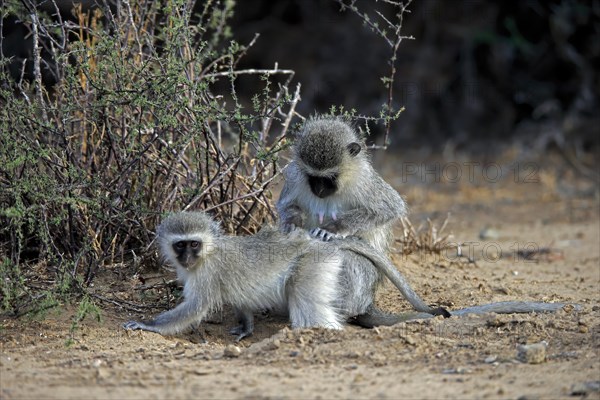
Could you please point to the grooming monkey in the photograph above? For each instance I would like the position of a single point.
(291, 271)
(331, 185)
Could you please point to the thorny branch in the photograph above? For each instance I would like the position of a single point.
(393, 40)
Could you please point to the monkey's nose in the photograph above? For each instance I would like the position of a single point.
(186, 261)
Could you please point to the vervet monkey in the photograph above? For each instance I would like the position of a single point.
(330, 184)
(268, 270)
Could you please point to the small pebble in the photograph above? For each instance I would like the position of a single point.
(490, 359)
(528, 397)
(102, 374)
(488, 233)
(410, 340)
(582, 389)
(532, 353)
(232, 351)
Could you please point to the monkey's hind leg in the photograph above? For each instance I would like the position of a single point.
(312, 290)
(246, 325)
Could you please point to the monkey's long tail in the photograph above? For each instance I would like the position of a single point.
(513, 307)
(384, 265)
(375, 317)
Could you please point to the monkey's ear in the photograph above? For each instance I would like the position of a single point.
(354, 148)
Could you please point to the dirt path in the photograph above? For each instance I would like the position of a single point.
(473, 357)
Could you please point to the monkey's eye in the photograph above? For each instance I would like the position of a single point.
(354, 149)
(180, 245)
(194, 244)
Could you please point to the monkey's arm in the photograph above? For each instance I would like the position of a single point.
(376, 209)
(291, 215)
(172, 321)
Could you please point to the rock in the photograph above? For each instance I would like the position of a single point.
(488, 233)
(528, 397)
(409, 340)
(532, 353)
(490, 359)
(582, 389)
(232, 351)
(456, 371)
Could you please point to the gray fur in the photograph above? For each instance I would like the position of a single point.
(268, 270)
(364, 205)
(323, 150)
(383, 265)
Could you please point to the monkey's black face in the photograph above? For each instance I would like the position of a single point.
(187, 252)
(322, 186)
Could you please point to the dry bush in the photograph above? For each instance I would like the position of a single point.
(145, 119)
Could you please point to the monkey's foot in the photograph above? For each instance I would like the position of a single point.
(441, 311)
(324, 235)
(241, 332)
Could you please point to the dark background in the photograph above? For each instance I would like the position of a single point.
(479, 75)
(477, 72)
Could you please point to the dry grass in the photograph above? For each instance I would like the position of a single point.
(427, 238)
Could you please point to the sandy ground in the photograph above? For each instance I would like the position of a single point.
(470, 357)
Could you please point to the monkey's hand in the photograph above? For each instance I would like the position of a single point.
(291, 218)
(324, 235)
(135, 325)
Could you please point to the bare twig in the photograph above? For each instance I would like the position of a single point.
(37, 73)
(250, 71)
(393, 40)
